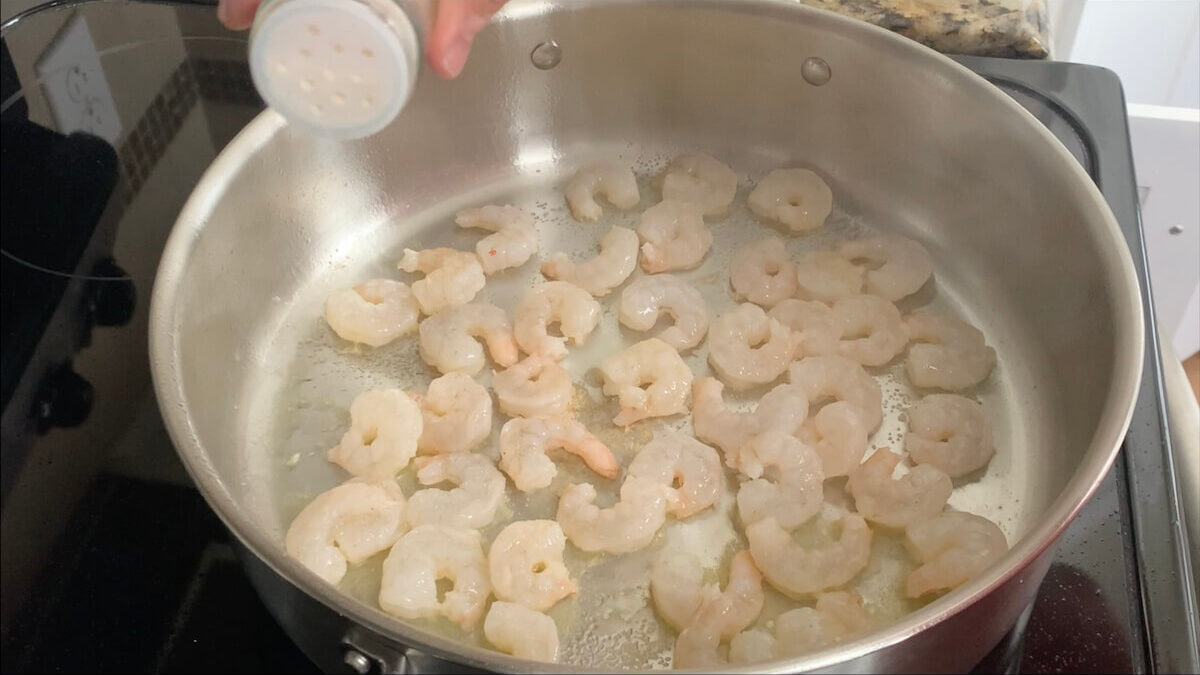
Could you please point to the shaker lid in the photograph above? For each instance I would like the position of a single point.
(335, 67)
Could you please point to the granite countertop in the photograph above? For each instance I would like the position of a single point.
(1012, 28)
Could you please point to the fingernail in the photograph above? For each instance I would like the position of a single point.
(223, 13)
(455, 58)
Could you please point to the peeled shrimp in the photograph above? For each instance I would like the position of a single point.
(524, 443)
(372, 313)
(948, 353)
(347, 524)
(896, 502)
(746, 347)
(690, 470)
(520, 631)
(456, 412)
(827, 276)
(677, 587)
(842, 379)
(452, 277)
(643, 300)
(721, 618)
(610, 178)
(762, 272)
(795, 492)
(514, 240)
(784, 408)
(813, 323)
(526, 562)
(797, 198)
(448, 338)
(649, 379)
(574, 310)
(838, 615)
(674, 237)
(535, 387)
(873, 332)
(954, 547)
(949, 432)
(384, 427)
(605, 271)
(424, 555)
(797, 570)
(471, 504)
(627, 526)
(839, 435)
(905, 265)
(702, 180)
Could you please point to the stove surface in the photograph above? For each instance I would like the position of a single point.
(169, 594)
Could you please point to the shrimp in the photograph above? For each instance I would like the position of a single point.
(649, 379)
(842, 379)
(905, 265)
(838, 616)
(827, 276)
(689, 469)
(514, 240)
(448, 338)
(797, 570)
(520, 631)
(872, 331)
(761, 272)
(647, 297)
(784, 408)
(677, 587)
(839, 436)
(701, 180)
(535, 387)
(721, 618)
(472, 504)
(797, 198)
(372, 313)
(627, 526)
(452, 277)
(896, 502)
(949, 354)
(795, 493)
(610, 178)
(746, 347)
(456, 413)
(574, 310)
(526, 562)
(953, 547)
(347, 524)
(674, 237)
(424, 555)
(384, 427)
(607, 270)
(949, 432)
(525, 442)
(813, 323)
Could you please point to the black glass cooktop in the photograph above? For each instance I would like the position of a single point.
(113, 562)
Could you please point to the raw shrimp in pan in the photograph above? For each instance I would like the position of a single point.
(372, 313)
(526, 564)
(719, 619)
(762, 272)
(896, 502)
(525, 442)
(424, 555)
(840, 378)
(953, 548)
(700, 179)
(794, 491)
(946, 353)
(872, 330)
(449, 338)
(535, 387)
(746, 347)
(346, 525)
(837, 616)
(457, 415)
(627, 526)
(472, 502)
(796, 570)
(674, 237)
(384, 427)
(839, 435)
(827, 276)
(689, 469)
(610, 178)
(515, 629)
(603, 272)
(949, 432)
(649, 379)
(647, 297)
(677, 587)
(574, 310)
(784, 409)
(452, 277)
(816, 328)
(903, 264)
(797, 198)
(513, 239)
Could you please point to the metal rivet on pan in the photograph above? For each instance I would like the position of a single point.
(815, 71)
(357, 662)
(546, 55)
(1175, 229)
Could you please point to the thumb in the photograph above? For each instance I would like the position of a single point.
(454, 29)
(237, 14)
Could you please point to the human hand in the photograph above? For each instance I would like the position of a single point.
(447, 45)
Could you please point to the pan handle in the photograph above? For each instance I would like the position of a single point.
(365, 653)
